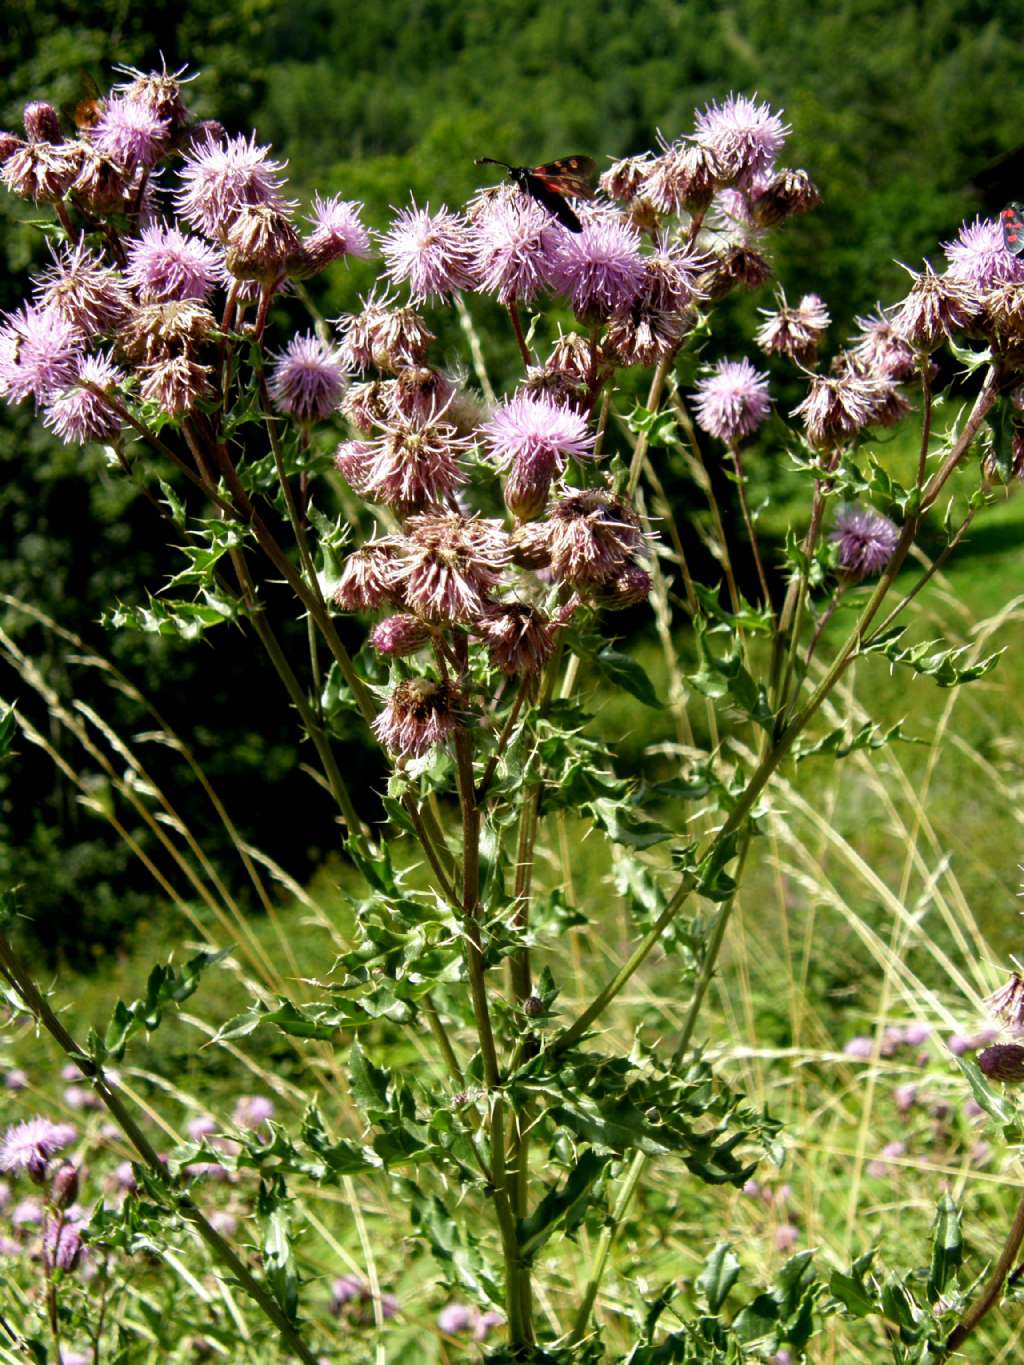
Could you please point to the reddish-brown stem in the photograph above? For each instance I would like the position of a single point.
(517, 327)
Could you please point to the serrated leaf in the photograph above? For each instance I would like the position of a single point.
(564, 1205)
(947, 1247)
(623, 671)
(720, 1273)
(924, 658)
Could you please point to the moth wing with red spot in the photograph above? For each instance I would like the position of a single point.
(1012, 219)
(567, 175)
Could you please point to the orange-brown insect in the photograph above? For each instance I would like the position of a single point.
(87, 111)
(549, 183)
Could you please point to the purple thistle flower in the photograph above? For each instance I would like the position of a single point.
(905, 1097)
(786, 1237)
(62, 1244)
(449, 564)
(82, 290)
(624, 180)
(252, 1111)
(307, 379)
(397, 637)
(27, 1213)
(859, 1048)
(866, 541)
(1007, 1003)
(345, 1290)
(412, 463)
(202, 1126)
(486, 1323)
(28, 1146)
(644, 335)
(673, 274)
(41, 122)
(878, 349)
(794, 332)
(39, 354)
(41, 171)
(600, 269)
(175, 385)
(337, 231)
(960, 1043)
(837, 408)
(935, 308)
(916, 1034)
(683, 179)
(64, 1189)
(455, 1318)
(979, 256)
(220, 178)
(15, 1079)
(385, 337)
(591, 536)
(419, 714)
(520, 638)
(733, 401)
(1004, 1062)
(515, 241)
(368, 575)
(744, 136)
(433, 253)
(131, 133)
(159, 91)
(77, 414)
(534, 430)
(165, 264)
(225, 1223)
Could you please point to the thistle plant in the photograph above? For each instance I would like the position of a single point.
(465, 562)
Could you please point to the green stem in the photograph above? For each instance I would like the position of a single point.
(636, 464)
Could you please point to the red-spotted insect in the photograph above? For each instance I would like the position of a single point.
(1013, 227)
(548, 184)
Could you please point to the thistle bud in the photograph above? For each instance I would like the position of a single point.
(64, 1189)
(42, 122)
(533, 1007)
(1003, 1062)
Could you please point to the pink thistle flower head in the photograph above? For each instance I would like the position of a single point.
(532, 436)
(62, 1244)
(202, 1126)
(732, 401)
(221, 177)
(794, 332)
(42, 171)
(516, 242)
(398, 636)
(388, 338)
(624, 180)
(337, 231)
(449, 564)
(835, 409)
(42, 122)
(455, 1318)
(432, 253)
(28, 1146)
(79, 414)
(165, 263)
(1007, 1003)
(39, 354)
(176, 384)
(368, 576)
(744, 135)
(252, 1111)
(674, 273)
(879, 349)
(158, 91)
(131, 133)
(419, 714)
(683, 178)
(413, 463)
(520, 638)
(865, 539)
(979, 256)
(591, 536)
(85, 292)
(935, 308)
(600, 269)
(307, 379)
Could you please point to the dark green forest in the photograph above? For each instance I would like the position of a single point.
(895, 111)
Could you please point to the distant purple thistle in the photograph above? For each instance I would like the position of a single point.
(455, 1318)
(337, 231)
(515, 241)
(202, 1126)
(959, 1043)
(744, 135)
(979, 256)
(905, 1097)
(252, 1111)
(307, 379)
(166, 264)
(62, 1244)
(786, 1237)
(866, 540)
(39, 354)
(27, 1213)
(219, 178)
(601, 269)
(130, 133)
(861, 1049)
(28, 1146)
(77, 414)
(935, 308)
(419, 714)
(916, 1034)
(732, 401)
(85, 292)
(15, 1079)
(433, 253)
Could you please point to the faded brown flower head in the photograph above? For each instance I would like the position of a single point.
(154, 331)
(592, 535)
